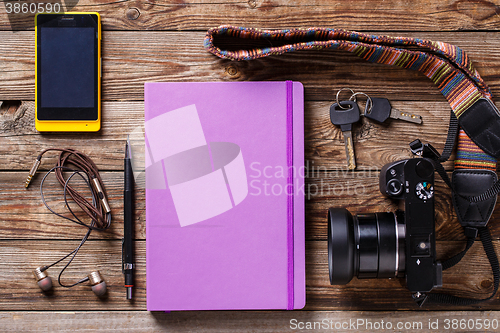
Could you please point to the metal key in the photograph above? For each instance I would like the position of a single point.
(345, 118)
(381, 110)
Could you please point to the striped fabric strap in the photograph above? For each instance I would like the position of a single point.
(470, 156)
(446, 65)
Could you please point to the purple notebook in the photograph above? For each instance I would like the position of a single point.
(224, 195)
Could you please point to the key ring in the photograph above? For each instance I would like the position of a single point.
(368, 105)
(337, 97)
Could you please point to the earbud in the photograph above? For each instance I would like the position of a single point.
(42, 279)
(96, 281)
(98, 284)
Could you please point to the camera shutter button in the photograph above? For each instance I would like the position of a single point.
(394, 187)
(424, 169)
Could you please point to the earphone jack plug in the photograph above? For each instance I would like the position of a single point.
(33, 170)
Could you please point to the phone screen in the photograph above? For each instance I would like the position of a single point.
(68, 69)
(67, 61)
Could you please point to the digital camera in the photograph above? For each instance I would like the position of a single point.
(395, 244)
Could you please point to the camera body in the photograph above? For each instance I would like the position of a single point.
(412, 180)
(384, 245)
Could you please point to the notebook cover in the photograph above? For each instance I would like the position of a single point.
(224, 195)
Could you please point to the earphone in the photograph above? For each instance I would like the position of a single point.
(42, 279)
(96, 281)
(98, 210)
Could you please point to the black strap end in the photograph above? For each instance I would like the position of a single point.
(481, 122)
(472, 182)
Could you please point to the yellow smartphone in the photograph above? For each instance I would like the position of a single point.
(68, 72)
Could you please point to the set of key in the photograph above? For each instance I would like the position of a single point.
(346, 113)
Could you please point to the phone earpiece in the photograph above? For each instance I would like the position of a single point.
(98, 283)
(42, 279)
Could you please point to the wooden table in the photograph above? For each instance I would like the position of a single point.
(161, 40)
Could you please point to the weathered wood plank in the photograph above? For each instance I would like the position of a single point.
(18, 290)
(29, 236)
(22, 293)
(375, 144)
(468, 281)
(250, 321)
(132, 58)
(360, 194)
(23, 215)
(362, 15)
(106, 148)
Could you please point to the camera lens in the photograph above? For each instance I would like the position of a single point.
(368, 245)
(341, 245)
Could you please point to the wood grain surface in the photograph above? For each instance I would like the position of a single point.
(22, 256)
(375, 144)
(132, 58)
(162, 40)
(354, 15)
(358, 192)
(247, 321)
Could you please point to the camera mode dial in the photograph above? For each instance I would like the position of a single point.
(424, 190)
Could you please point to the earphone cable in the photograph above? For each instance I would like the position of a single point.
(98, 210)
(69, 262)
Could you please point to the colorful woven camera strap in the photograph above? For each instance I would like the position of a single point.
(448, 66)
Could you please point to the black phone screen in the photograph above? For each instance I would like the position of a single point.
(67, 60)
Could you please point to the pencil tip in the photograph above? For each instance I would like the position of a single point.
(127, 147)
